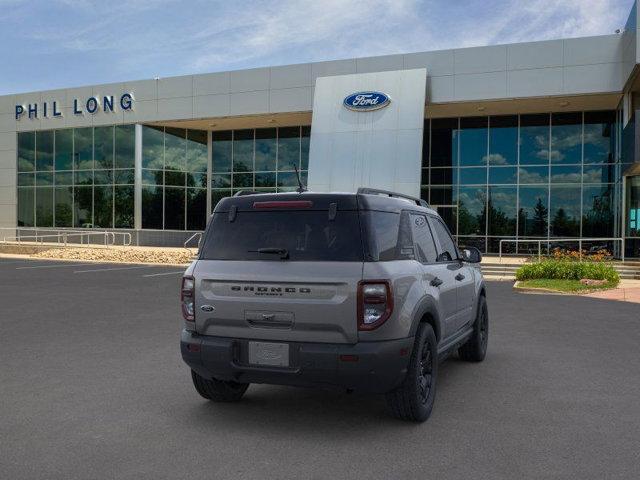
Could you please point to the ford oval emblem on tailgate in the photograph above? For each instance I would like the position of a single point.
(366, 101)
(207, 308)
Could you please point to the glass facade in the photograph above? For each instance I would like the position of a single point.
(85, 177)
(174, 178)
(262, 159)
(535, 176)
(539, 176)
(77, 177)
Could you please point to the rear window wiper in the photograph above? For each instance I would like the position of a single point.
(283, 252)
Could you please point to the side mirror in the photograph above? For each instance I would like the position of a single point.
(471, 255)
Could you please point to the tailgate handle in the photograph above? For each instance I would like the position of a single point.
(270, 320)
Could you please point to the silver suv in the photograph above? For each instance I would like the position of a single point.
(364, 292)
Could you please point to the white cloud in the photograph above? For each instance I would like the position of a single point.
(494, 159)
(144, 38)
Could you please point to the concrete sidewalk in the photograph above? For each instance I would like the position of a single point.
(627, 291)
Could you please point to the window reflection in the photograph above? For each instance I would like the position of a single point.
(473, 176)
(501, 211)
(265, 149)
(530, 159)
(75, 176)
(125, 139)
(103, 207)
(597, 211)
(473, 141)
(471, 211)
(533, 212)
(63, 159)
(26, 206)
(598, 137)
(533, 175)
(534, 139)
(243, 150)
(83, 148)
(571, 174)
(103, 147)
(179, 159)
(263, 160)
(503, 140)
(221, 151)
(175, 149)
(566, 138)
(44, 206)
(26, 151)
(503, 175)
(44, 150)
(565, 211)
(288, 148)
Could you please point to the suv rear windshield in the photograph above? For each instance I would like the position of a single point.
(306, 235)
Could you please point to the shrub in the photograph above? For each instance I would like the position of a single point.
(568, 270)
(587, 256)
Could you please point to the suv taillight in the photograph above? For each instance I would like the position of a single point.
(187, 296)
(375, 303)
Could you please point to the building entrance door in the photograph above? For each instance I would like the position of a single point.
(632, 215)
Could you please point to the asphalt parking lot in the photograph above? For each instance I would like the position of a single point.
(92, 386)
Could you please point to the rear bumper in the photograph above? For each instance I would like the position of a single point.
(379, 368)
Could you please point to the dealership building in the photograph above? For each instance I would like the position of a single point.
(519, 142)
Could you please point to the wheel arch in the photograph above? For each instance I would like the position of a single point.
(427, 312)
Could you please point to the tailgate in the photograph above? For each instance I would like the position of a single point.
(278, 300)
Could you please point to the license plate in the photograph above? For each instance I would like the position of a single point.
(272, 354)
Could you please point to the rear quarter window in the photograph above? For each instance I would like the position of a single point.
(388, 236)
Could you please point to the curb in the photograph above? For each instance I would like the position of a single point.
(539, 290)
(549, 291)
(29, 257)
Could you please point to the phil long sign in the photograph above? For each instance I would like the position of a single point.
(366, 101)
(91, 105)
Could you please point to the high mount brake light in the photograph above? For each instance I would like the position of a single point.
(375, 303)
(284, 204)
(187, 298)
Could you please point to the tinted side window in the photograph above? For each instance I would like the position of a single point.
(389, 236)
(426, 248)
(447, 251)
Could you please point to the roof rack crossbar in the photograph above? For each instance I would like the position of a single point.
(376, 191)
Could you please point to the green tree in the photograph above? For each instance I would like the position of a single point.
(540, 219)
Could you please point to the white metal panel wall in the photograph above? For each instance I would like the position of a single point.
(381, 148)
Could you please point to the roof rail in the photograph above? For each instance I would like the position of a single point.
(376, 191)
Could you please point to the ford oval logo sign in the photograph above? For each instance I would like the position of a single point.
(366, 101)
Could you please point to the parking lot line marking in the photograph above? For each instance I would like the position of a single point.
(165, 273)
(114, 268)
(53, 266)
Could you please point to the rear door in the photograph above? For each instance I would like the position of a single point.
(455, 272)
(438, 277)
(280, 274)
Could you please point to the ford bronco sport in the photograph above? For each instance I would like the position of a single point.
(364, 292)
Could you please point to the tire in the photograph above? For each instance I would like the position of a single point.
(413, 400)
(475, 349)
(217, 390)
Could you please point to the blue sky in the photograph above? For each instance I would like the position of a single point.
(47, 44)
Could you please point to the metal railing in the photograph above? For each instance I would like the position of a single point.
(67, 237)
(197, 235)
(549, 242)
